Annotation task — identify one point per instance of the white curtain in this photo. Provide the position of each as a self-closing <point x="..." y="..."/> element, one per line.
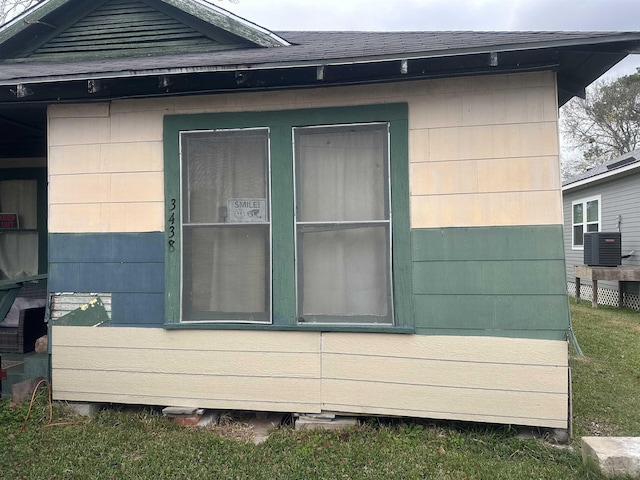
<point x="226" y="265"/>
<point x="19" y="250"/>
<point x="342" y="177"/>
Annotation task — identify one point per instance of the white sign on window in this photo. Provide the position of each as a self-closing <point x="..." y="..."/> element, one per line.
<point x="247" y="210"/>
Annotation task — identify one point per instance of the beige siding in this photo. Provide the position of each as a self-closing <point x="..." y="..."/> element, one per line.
<point x="482" y="379"/>
<point x="472" y="141"/>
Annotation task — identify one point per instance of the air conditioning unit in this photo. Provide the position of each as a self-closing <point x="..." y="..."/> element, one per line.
<point x="603" y="249"/>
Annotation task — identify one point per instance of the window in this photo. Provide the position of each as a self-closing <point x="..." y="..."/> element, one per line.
<point x="343" y="224"/>
<point x="585" y="218"/>
<point x="294" y="219"/>
<point x="23" y="234"/>
<point x="225" y="225"/>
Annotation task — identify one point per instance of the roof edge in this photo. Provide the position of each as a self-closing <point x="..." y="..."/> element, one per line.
<point x="601" y="176"/>
<point x="30" y="15"/>
<point x="226" y="20"/>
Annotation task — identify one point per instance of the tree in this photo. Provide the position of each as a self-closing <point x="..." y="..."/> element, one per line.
<point x="11" y="8"/>
<point x="603" y="126"/>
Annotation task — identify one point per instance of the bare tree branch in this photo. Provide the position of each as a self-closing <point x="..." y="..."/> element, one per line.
<point x="12" y="8"/>
<point x="603" y="126"/>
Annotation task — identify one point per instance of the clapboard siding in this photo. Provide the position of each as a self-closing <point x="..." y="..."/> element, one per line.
<point x="496" y="280"/>
<point x="481" y="379"/>
<point x="476" y="159"/>
<point x="620" y="196"/>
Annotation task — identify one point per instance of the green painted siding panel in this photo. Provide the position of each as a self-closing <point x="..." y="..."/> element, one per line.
<point x="491" y="312"/>
<point x="501" y="281"/>
<point x="489" y="243"/>
<point x="489" y="277"/>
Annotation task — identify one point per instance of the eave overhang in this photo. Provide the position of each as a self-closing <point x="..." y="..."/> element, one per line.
<point x="603" y="177"/>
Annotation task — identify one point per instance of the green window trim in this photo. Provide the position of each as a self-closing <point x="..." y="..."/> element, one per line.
<point x="283" y="274"/>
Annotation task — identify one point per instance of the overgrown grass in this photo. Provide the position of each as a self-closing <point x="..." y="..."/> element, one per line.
<point x="127" y="443"/>
<point x="606" y="381"/>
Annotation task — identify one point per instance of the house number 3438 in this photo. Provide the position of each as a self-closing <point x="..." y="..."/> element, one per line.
<point x="171" y="243"/>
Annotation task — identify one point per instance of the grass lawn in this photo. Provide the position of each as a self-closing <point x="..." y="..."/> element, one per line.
<point x="140" y="443"/>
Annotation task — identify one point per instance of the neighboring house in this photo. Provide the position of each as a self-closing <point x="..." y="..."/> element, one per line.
<point x="605" y="198"/>
<point x="355" y="222"/>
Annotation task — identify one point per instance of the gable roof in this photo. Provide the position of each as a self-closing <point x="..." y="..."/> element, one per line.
<point x="73" y="29"/>
<point x="619" y="166"/>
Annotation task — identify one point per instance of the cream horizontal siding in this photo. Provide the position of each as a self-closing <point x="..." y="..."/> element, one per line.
<point x="475" y="135"/>
<point x="467" y="378"/>
<point x="482" y="379"/>
<point x="212" y="369"/>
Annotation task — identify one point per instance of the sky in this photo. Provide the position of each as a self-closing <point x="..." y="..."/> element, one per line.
<point x="398" y="15"/>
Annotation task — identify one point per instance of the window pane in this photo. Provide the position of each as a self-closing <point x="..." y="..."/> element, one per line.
<point x="342" y="173"/>
<point x="578" y="235"/>
<point x="577" y="213"/>
<point x="18" y="255"/>
<point x="220" y="168"/>
<point x="20" y="196"/>
<point x="226" y="269"/>
<point x="592" y="211"/>
<point x="344" y="272"/>
<point x="226" y="266"/>
<point x="592" y="227"/>
<point x="19" y="250"/>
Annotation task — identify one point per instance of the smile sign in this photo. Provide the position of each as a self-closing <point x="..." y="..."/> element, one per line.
<point x="247" y="210"/>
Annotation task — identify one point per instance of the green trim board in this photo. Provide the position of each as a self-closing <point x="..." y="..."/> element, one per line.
<point x="280" y="125"/>
<point x="498" y="281"/>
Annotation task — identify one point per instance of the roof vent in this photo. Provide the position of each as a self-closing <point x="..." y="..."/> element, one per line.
<point x="621" y="163"/>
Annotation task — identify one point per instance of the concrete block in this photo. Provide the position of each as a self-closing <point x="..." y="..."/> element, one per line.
<point x="615" y="456"/>
<point x="176" y="411"/>
<point x="324" y="423"/>
<point x="85" y="409"/>
<point x="185" y="416"/>
<point x="264" y="424"/>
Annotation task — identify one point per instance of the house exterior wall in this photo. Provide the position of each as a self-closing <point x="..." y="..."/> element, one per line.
<point x="619" y="196"/>
<point x="487" y="265"/>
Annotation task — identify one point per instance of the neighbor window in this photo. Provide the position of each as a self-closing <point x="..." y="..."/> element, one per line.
<point x="585" y="218"/>
<point x="294" y="219"/>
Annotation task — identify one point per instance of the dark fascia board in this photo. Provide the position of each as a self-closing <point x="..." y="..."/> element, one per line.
<point x="226" y="20"/>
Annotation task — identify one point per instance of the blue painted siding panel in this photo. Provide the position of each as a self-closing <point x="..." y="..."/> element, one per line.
<point x="106" y="247"/>
<point x="122" y="277"/>
<point x="129" y="266"/>
<point x="64" y="277"/>
<point x="137" y="309"/>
